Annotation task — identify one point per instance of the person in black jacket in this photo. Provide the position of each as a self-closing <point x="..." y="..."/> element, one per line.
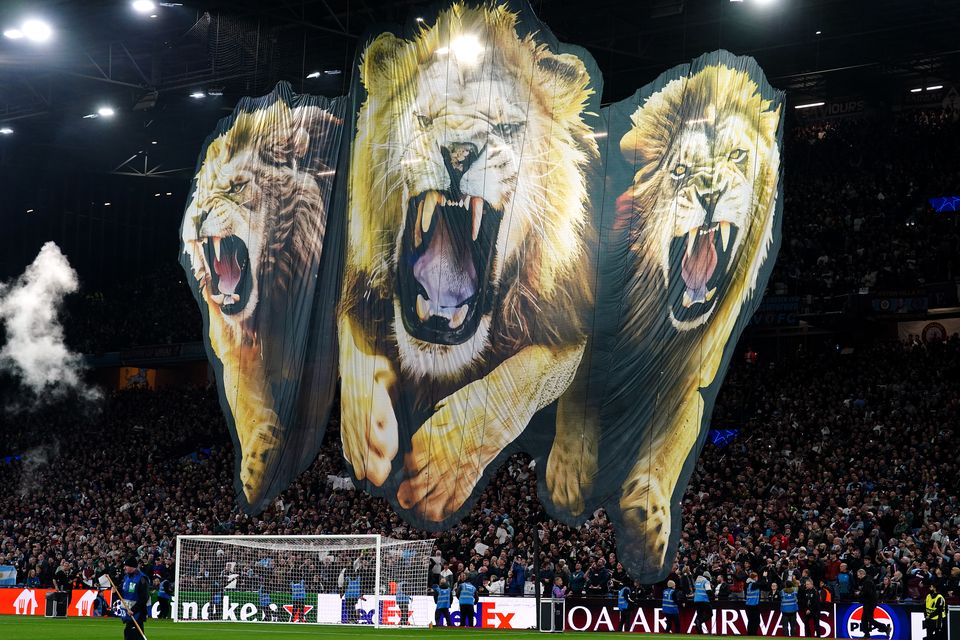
<point x="135" y="592"/>
<point x="810" y="608"/>
<point x="868" y="596"/>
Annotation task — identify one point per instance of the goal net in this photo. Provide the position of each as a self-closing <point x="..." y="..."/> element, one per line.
<point x="364" y="579"/>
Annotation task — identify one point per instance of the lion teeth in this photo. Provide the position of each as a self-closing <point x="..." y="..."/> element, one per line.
<point x="216" y="247"/>
<point x="711" y="293"/>
<point x="218" y="298"/>
<point x="417" y="233"/>
<point x="423" y="308"/>
<point x="459" y="316"/>
<point x="430" y="202"/>
<point x="687" y="300"/>
<point x="476" y="209"/>
<point x="724" y="235"/>
<point x="691" y="241"/>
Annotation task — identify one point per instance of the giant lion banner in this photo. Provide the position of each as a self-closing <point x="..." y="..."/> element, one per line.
<point x="509" y="267"/>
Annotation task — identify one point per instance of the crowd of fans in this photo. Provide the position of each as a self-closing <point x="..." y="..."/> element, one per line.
<point x="844" y="461"/>
<point x="856" y="206"/>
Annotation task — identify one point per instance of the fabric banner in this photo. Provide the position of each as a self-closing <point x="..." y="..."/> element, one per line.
<point x="8" y="575"/>
<point x="515" y="269"/>
<point x="253" y="239"/>
<point x="929" y="330"/>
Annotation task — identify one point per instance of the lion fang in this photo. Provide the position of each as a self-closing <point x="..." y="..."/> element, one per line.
<point x="476" y="208"/>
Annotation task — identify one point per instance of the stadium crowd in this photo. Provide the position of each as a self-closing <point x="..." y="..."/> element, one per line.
<point x="845" y="462"/>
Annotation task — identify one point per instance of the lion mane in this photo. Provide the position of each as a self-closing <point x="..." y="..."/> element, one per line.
<point x="537" y="275"/>
<point x="718" y="118"/>
<point x="253" y="227"/>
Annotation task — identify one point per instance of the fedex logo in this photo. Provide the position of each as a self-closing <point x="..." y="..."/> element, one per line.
<point x="487" y="615"/>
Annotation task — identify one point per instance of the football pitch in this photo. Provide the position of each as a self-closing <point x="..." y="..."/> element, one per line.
<point x="14" y="628"/>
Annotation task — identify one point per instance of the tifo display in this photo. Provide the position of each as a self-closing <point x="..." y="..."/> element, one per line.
<point x="496" y="263"/>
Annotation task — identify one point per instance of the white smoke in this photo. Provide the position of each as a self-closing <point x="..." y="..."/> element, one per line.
<point x="32" y="463"/>
<point x="35" y="352"/>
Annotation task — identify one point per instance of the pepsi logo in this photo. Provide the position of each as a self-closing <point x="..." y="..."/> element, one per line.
<point x="880" y="616"/>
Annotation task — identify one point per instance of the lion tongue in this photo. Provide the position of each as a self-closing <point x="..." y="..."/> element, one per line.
<point x="446" y="270"/>
<point x="228" y="271"/>
<point x="698" y="265"/>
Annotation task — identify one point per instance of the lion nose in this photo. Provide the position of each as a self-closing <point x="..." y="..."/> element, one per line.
<point x="709" y="201"/>
<point x="458" y="156"/>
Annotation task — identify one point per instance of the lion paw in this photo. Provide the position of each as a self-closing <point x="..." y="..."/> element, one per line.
<point x="258" y="451"/>
<point x="569" y="474"/>
<point x="447" y="458"/>
<point x="369" y="435"/>
<point x="647" y="523"/>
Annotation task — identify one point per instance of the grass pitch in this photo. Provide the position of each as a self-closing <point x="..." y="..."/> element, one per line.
<point x="16" y="628"/>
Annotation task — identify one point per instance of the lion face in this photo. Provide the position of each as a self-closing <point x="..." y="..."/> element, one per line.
<point x="240" y="224"/>
<point x="706" y="188"/>
<point x="474" y="160"/>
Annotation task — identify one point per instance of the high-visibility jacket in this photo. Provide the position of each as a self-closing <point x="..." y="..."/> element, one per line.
<point x="669" y="604"/>
<point x="935" y="607"/>
<point x="753" y="594"/>
<point x="788" y="602"/>
<point x="701" y="590"/>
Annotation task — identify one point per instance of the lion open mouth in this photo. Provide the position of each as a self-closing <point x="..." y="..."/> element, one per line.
<point x="228" y="261"/>
<point x="707" y="254"/>
<point x="446" y="258"/>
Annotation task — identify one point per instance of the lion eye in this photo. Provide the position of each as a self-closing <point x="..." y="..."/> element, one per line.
<point x="424" y="121"/>
<point x="737" y="155"/>
<point x="507" y="129"/>
<point x="679" y="171"/>
<point x="236" y="187"/>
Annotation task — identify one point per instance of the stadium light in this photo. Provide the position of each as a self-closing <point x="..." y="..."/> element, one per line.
<point x="935" y="87"/>
<point x="809" y="105"/>
<point x="106" y="204"/>
<point x="36" y="30"/>
<point x="106" y="112"/>
<point x="5" y="131"/>
<point x="333" y="72"/>
<point x="819" y="32"/>
<point x="197" y="95"/>
<point x="466" y="48"/>
<point x="917" y="90"/>
<point x="13" y="34"/>
<point x="143" y="6"/>
<point x="313" y="74"/>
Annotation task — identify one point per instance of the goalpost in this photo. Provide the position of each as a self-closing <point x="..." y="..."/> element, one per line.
<point x="325" y="579"/>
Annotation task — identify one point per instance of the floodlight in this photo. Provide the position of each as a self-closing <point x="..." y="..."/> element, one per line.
<point x="935" y="87"/>
<point x="5" y="131"/>
<point x="36" y="30"/>
<point x="106" y="112"/>
<point x="917" y="90"/>
<point x="313" y="74"/>
<point x="13" y="34"/>
<point x="143" y="6"/>
<point x="467" y="48"/>
<point x="810" y="105"/>
<point x="198" y="95"/>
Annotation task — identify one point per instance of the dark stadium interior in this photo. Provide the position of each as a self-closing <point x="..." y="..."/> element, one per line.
<point x="844" y="433"/>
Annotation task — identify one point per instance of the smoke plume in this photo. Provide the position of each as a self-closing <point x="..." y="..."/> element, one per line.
<point x="35" y="352"/>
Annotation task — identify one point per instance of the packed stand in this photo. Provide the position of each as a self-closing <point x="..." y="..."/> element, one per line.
<point x="843" y="465"/>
